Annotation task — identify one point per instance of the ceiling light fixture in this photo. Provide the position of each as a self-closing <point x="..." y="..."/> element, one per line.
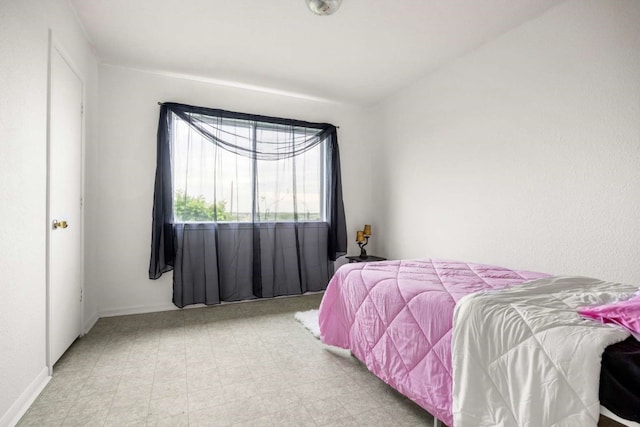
<point x="323" y="7"/>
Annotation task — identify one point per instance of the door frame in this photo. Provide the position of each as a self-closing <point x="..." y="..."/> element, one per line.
<point x="55" y="45"/>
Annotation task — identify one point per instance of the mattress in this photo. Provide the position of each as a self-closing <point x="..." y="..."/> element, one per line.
<point x="396" y="317"/>
<point x="620" y="379"/>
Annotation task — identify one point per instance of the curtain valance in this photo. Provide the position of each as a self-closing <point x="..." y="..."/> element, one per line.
<point x="264" y="143"/>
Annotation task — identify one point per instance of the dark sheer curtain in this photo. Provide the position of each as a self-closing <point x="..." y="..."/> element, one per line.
<point x="245" y="206"/>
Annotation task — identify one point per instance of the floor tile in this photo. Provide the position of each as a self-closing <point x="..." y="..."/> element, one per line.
<point x="358" y="402"/>
<point x="345" y="422"/>
<point x="294" y="416"/>
<point x="167" y="407"/>
<point x="325" y="411"/>
<point x="377" y="417"/>
<point x="213" y="416"/>
<point x="173" y="387"/>
<point x="127" y="415"/>
<point x="263" y="421"/>
<point x="133" y="395"/>
<point x="39" y="421"/>
<point x="282" y="400"/>
<point x="245" y="410"/>
<point x="100" y="384"/>
<point x="45" y="415"/>
<point x="408" y="413"/>
<point x="181" y="420"/>
<point x="230" y="375"/>
<point x="88" y="405"/>
<point x="205" y="398"/>
<point x="91" y="419"/>
<point x="206" y="378"/>
<point x="132" y="377"/>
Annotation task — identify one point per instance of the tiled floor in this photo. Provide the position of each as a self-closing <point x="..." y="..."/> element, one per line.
<point x="246" y="364"/>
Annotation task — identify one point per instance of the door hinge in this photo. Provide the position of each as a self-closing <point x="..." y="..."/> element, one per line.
<point x="81" y="294"/>
<point x="82" y="110"/>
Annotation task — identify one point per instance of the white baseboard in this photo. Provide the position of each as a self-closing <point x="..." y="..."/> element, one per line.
<point x="22" y="404"/>
<point x="139" y="309"/>
<point x="142" y="309"/>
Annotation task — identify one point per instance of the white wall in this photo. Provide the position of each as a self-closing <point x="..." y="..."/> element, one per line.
<point x="524" y="152"/>
<point x="23" y="61"/>
<point x="124" y="175"/>
<point x="24" y="36"/>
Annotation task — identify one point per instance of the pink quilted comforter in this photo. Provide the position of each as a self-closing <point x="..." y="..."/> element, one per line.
<point x="397" y="316"/>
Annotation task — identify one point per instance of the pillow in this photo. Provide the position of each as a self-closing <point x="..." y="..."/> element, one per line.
<point x="623" y="313"/>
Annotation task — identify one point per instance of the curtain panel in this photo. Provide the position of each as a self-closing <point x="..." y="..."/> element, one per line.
<point x="251" y="182"/>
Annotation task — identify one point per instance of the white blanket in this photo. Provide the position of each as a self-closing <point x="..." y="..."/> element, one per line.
<point x="524" y="357"/>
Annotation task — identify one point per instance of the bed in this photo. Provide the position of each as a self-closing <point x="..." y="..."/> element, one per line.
<point x="397" y="318"/>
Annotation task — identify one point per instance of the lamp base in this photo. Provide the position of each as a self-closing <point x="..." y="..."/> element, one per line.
<point x="363" y="252"/>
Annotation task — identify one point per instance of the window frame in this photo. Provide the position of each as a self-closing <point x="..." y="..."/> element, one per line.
<point x="252" y="124"/>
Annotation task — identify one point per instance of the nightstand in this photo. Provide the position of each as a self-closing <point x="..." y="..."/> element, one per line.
<point x="369" y="258"/>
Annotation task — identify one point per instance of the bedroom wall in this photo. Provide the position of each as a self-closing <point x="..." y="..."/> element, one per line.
<point x="23" y="184"/>
<point x="124" y="177"/>
<point x="524" y="152"/>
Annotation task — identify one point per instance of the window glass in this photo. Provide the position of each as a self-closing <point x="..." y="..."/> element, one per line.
<point x="212" y="183"/>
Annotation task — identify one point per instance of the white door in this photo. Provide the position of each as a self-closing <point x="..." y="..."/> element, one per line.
<point x="65" y="217"/>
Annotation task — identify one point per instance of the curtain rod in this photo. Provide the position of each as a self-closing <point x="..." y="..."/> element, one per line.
<point x="162" y="103"/>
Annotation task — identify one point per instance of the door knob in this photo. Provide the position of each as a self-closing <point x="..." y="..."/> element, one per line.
<point x="59" y="224"/>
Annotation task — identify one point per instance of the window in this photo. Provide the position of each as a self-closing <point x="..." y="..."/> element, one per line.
<point x="244" y="205"/>
<point x="251" y="172"/>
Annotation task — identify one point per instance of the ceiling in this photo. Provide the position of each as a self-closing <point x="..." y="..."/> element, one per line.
<point x="364" y="52"/>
